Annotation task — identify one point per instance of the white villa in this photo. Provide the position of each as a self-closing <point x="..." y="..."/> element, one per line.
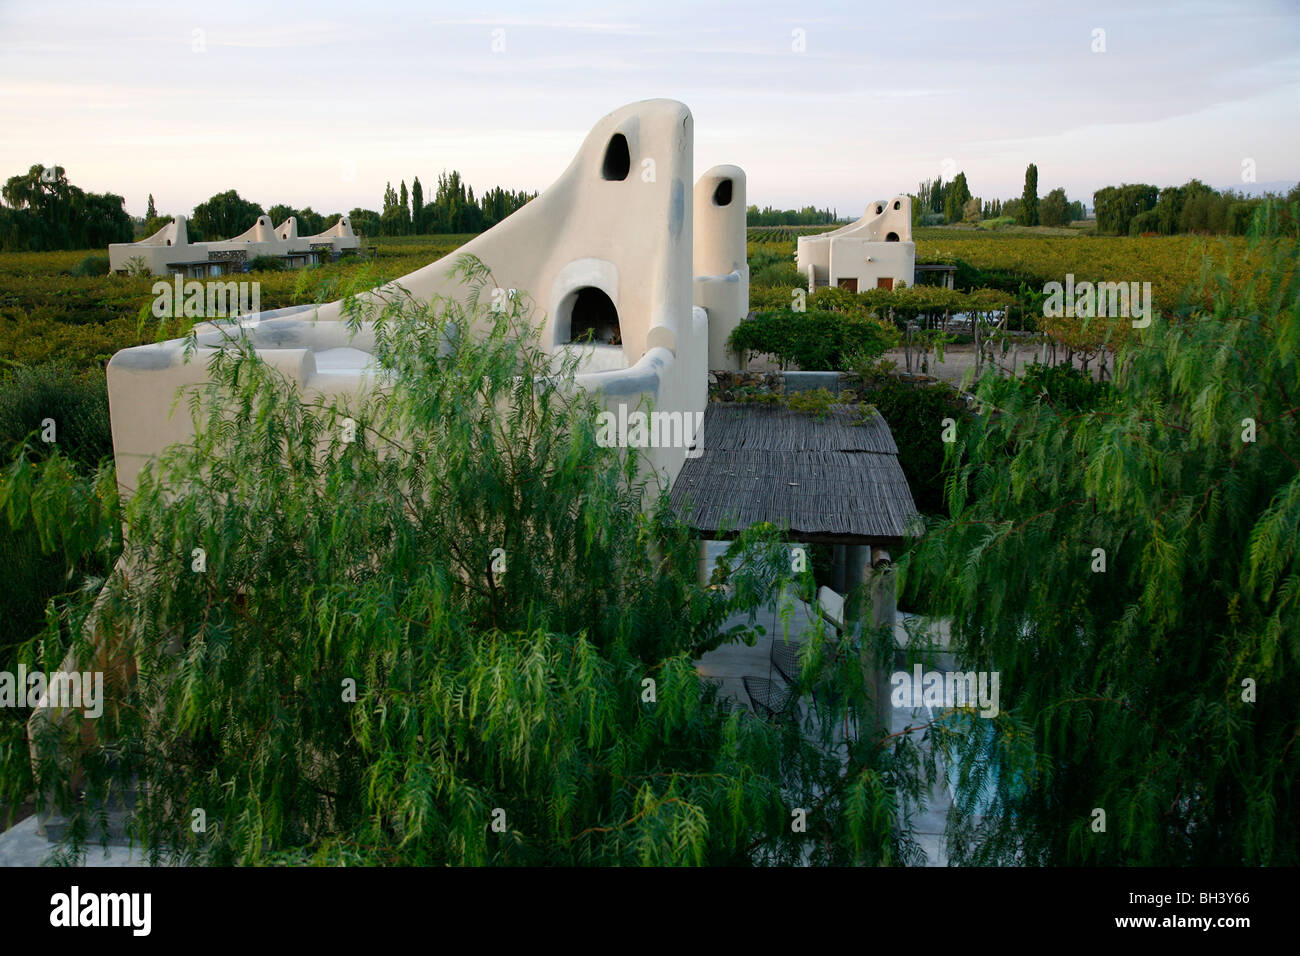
<point x="876" y="252"/>
<point x="168" y="252"/>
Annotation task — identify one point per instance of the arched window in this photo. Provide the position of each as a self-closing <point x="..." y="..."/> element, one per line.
<point x="592" y="313"/>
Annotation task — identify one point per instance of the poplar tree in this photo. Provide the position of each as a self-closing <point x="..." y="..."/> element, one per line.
<point x="1028" y="213"/>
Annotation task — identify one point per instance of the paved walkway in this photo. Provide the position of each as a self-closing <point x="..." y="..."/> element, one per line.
<point x="730" y="664"/>
<point x="21" y="845"/>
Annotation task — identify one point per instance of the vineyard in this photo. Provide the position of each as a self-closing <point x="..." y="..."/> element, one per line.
<point x="1020" y="266"/>
<point x="766" y="234"/>
<point x="49" y="313"/>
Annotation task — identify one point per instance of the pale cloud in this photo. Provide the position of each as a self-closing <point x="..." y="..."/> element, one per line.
<point x="540" y="23"/>
<point x="876" y="103"/>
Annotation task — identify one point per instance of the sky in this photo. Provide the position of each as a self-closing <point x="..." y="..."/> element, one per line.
<point x="836" y="104"/>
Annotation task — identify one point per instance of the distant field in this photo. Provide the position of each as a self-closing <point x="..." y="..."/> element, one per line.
<point x="1169" y="263"/>
<point x="48" y="314"/>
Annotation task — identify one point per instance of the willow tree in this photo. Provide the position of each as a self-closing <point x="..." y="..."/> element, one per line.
<point x="1130" y="564"/>
<point x="440" y="624"/>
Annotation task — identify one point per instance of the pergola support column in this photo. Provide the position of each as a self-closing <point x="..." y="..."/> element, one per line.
<point x="869" y="604"/>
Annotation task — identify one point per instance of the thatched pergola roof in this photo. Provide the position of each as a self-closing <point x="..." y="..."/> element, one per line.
<point x="826" y="479"/>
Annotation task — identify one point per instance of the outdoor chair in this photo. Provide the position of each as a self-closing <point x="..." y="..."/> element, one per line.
<point x="771" y="698"/>
<point x="785" y="658"/>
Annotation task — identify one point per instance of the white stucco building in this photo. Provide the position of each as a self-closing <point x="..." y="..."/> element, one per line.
<point x="625" y="243"/>
<point x="169" y="251"/>
<point x="876" y="252"/>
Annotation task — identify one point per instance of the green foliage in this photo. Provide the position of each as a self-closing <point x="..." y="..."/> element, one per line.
<point x="75" y="402"/>
<point x="956" y="195"/>
<point x="813" y="340"/>
<point x="807" y="216"/>
<point x="1027" y="213"/>
<point x="47" y="314"/>
<point x="780" y="275"/>
<point x="223" y="216"/>
<point x="310" y="222"/>
<point x="814" y="401"/>
<point x="47" y="212"/>
<point x="1054" y="210"/>
<point x="265" y="264"/>
<point x="478" y="687"/>
<point x="1194" y="207"/>
<point x="92" y="265"/>
<point x="58" y="533"/>
<point x="1159" y="689"/>
<point x="1116" y="206"/>
<point x="1065" y="386"/>
<point x="915" y="415"/>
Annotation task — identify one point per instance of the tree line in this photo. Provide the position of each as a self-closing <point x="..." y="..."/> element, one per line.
<point x="937" y="203"/>
<point x="1135" y="209"/>
<point x="42" y="211"/>
<point x="453" y="208"/>
<point x="807" y="216"/>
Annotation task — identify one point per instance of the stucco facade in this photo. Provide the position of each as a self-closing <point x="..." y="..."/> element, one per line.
<point x="619" y="244"/>
<point x="169" y="251"/>
<point x="877" y="251"/>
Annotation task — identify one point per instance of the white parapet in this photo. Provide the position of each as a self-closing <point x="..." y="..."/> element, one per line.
<point x="606" y="250"/>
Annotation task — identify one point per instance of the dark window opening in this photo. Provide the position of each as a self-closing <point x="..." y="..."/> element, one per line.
<point x="169" y="242"/>
<point x="897" y="204"/>
<point x="891" y="237"/>
<point x="594" y="315"/>
<point x="618" y="161"/>
<point x="722" y="195"/>
<point x="879" y="210"/>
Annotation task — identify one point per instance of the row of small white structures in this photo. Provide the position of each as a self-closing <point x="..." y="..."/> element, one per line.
<point x="169" y="251"/>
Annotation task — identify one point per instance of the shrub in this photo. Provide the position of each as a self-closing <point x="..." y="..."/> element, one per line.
<point x="266" y="264"/>
<point x="782" y="275"/>
<point x="35" y="563"/>
<point x="814" y="340"/>
<point x="76" y="403"/>
<point x="816" y="402"/>
<point x="92" y="265"/>
<point x="1065" y="386"/>
<point x="914" y="414"/>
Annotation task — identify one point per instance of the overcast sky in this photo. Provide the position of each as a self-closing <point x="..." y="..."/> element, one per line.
<point x="318" y="103"/>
